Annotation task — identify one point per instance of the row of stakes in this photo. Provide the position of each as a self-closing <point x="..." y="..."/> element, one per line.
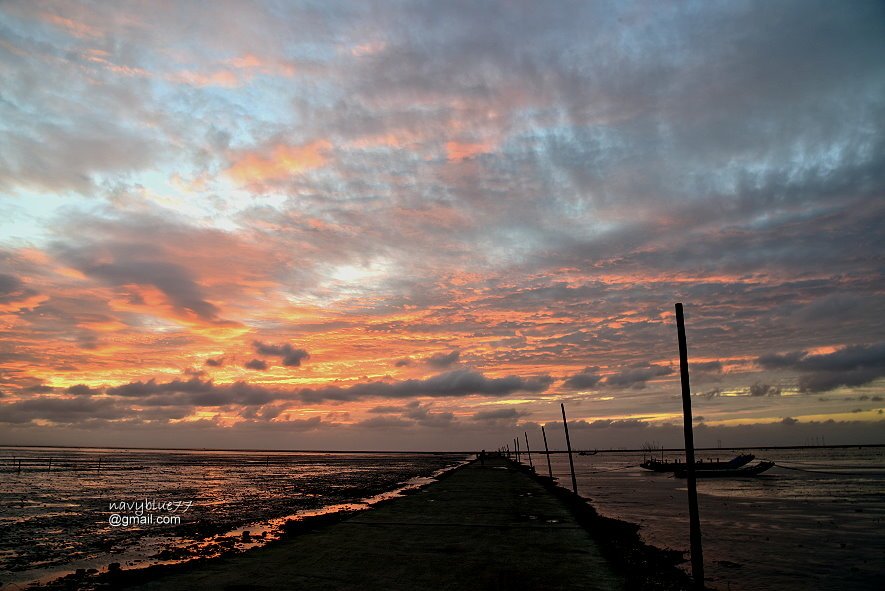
<point x="697" y="560"/>
<point x="568" y="443"/>
<point x="17" y="465"/>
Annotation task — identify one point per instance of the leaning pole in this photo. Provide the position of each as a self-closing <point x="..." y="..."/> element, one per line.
<point x="697" y="555"/>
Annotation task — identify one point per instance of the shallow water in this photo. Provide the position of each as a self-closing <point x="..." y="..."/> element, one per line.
<point x="814" y="521"/>
<point x="54" y="519"/>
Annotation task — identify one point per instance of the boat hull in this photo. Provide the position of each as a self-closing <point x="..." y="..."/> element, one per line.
<point x="734" y="463"/>
<point x="735" y="473"/>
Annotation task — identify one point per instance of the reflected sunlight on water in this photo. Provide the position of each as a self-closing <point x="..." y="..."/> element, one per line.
<point x="55" y="518"/>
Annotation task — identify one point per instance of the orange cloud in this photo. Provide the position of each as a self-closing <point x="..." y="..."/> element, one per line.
<point x="251" y="63"/>
<point x="246" y="61"/>
<point x="75" y="28"/>
<point x="456" y="151"/>
<point x="282" y="162"/>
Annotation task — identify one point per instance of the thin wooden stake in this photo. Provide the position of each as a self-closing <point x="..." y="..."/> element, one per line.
<point x="697" y="556"/>
<point x="549" y="467"/>
<point x="528" y="450"/>
<point x="568" y="443"/>
<point x="49" y="469"/>
<point x="518" y="454"/>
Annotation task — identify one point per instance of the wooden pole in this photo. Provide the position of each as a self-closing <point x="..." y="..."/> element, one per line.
<point x="49" y="469"/>
<point x="528" y="450"/>
<point x="546" y="449"/>
<point x="568" y="443"/>
<point x="518" y="455"/>
<point x="697" y="555"/>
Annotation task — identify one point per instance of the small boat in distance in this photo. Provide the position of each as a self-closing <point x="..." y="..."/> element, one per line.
<point x="732" y="473"/>
<point x="656" y="465"/>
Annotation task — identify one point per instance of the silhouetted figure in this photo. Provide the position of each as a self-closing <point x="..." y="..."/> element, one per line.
<point x="482" y="458"/>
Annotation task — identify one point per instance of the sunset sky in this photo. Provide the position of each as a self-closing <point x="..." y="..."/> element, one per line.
<point x="423" y="225"/>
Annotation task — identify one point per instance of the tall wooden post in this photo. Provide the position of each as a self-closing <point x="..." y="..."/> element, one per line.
<point x="516" y="443"/>
<point x="546" y="449"/>
<point x="697" y="556"/>
<point x="528" y="450"/>
<point x="568" y="444"/>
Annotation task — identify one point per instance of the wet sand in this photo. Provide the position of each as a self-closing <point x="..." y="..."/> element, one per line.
<point x="479" y="527"/>
<point x="56" y="522"/>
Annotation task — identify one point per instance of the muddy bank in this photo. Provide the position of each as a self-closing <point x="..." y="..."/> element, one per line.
<point x="642" y="566"/>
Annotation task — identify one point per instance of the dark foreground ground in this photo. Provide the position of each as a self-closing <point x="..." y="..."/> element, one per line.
<point x="495" y="526"/>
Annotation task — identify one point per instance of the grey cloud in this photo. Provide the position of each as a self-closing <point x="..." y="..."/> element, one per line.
<point x="82" y="390"/>
<point x="120" y="264"/>
<point x="256" y="364"/>
<point x="291" y="356"/>
<point x="458" y="383"/>
<point x="462" y="382"/>
<point x="636" y="377"/>
<point x="855" y="365"/>
<point x="147" y="246"/>
<point x="39" y="389"/>
<point x="443" y="360"/>
<point x="426" y="417"/>
<point x="215" y="362"/>
<point x="604" y="423"/>
<point x="497" y="414"/>
<point x="62" y="410"/>
<point x="150" y="387"/>
<point x="57" y="158"/>
<point x="196" y="392"/>
<point x="12" y="289"/>
<point x="585" y="379"/>
<point x="758" y="389"/>
<point x="171" y="279"/>
<point x="403" y="362"/>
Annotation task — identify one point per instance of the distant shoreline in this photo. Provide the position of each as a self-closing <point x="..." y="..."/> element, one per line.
<point x="412" y="452"/>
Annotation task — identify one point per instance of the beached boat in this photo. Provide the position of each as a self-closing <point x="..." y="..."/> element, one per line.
<point x="656" y="465"/>
<point x="733" y="473"/>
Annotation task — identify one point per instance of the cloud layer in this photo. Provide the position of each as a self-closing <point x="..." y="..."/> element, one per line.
<point x="482" y="210"/>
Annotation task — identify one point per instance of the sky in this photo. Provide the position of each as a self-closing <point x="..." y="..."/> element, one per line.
<point x="419" y="225"/>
